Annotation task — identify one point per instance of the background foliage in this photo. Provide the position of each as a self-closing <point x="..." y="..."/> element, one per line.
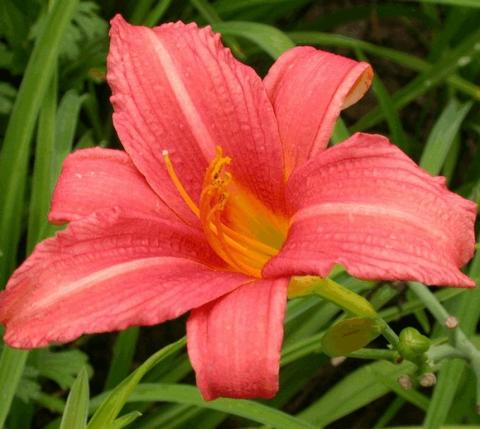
<point x="53" y="99"/>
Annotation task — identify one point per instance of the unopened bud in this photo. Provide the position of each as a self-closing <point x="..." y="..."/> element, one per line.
<point x="337" y="361"/>
<point x="349" y="335"/>
<point x="412" y="344"/>
<point x="451" y="322"/>
<point x="405" y="382"/>
<point x="428" y="379"/>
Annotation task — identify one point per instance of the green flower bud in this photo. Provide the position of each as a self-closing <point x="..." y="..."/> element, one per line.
<point x="413" y="344"/>
<point x="349" y="335"/>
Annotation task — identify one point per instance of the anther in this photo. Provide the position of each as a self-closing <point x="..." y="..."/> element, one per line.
<point x="240" y="251"/>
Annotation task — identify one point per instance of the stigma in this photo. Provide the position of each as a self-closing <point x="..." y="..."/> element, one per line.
<point x="238" y="227"/>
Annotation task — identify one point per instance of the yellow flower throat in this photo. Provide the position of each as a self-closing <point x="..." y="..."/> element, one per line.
<point x="239" y="228"/>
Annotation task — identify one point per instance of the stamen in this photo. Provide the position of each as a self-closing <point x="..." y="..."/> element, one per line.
<point x="256" y="245"/>
<point x="176" y="181"/>
<point x="220" y="239"/>
<point x="241" y="252"/>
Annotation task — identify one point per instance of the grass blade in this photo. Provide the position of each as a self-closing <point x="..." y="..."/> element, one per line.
<point x="124" y="421"/>
<point x="43" y="168"/>
<point x="211" y="16"/>
<point x="273" y="41"/>
<point x="354" y="391"/>
<point x="122" y="359"/>
<point x="13" y="169"/>
<point x="442" y="135"/>
<point x="427" y="80"/>
<point x="391" y="115"/>
<point x="450" y="374"/>
<point x="183" y="394"/>
<point x="112" y="405"/>
<point x="76" y="409"/>
<point x="463" y="3"/>
<point x="157" y="13"/>
<point x="16" y="145"/>
<point x="340" y="132"/>
<point x="12" y="363"/>
<point x="402" y="58"/>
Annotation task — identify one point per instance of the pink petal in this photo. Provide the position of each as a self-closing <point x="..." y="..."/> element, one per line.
<point x="96" y="179"/>
<point x="109" y="271"/>
<point x="176" y="88"/>
<point x="366" y="205"/>
<point x="308" y="88"/>
<point x="234" y="343"/>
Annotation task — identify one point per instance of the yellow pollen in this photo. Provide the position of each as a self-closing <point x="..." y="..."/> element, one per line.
<point x="241" y="252"/>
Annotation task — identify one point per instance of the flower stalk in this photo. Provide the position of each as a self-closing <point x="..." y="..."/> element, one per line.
<point x="348" y="300"/>
<point x="458" y="340"/>
<point x="411" y="345"/>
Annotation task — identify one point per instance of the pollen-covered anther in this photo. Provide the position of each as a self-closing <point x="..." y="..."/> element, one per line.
<point x="241" y="252"/>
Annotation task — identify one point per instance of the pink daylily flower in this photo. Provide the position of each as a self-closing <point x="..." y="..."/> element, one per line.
<point x="224" y="191"/>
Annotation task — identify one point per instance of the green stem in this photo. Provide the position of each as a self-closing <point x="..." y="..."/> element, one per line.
<point x="457" y="337"/>
<point x="344" y="298"/>
<point x="423" y="293"/>
<point x="374" y="354"/>
<point x="388" y="333"/>
<point x="436" y="354"/>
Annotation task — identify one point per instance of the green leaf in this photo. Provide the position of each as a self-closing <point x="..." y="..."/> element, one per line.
<point x="116" y="399"/>
<point x="234" y="8"/>
<point x="251" y="410"/>
<point x="211" y="16"/>
<point x="122" y="359"/>
<point x="273" y="41"/>
<point x="340" y="132"/>
<point x="157" y="12"/>
<point x="68" y="113"/>
<point x="443" y="134"/>
<point x="353" y="392"/>
<point x="444" y="393"/>
<point x="12" y="363"/>
<point x="413" y="396"/>
<point x="349" y="335"/>
<point x="61" y="366"/>
<point x="390" y="412"/>
<point x="402" y="58"/>
<point x="16" y="145"/>
<point x="42" y="185"/>
<point x="437" y="73"/>
<point x="28" y="388"/>
<point x="398" y="135"/>
<point x="76" y="408"/>
<point x="125" y="420"/>
<point x="7" y="95"/>
<point x="451" y="371"/>
<point x="13" y="23"/>
<point x="86" y="26"/>
<point x="464" y="3"/>
<point x="443" y="427"/>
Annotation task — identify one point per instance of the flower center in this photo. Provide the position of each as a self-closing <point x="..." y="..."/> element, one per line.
<point x="239" y="228"/>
